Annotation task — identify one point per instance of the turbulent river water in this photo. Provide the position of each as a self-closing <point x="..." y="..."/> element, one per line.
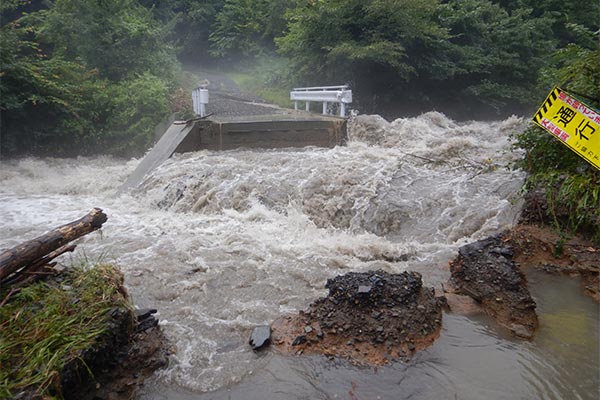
<point x="222" y="241"/>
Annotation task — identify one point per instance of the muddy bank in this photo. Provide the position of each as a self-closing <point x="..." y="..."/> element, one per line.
<point x="367" y="318"/>
<point x="486" y="272"/>
<point x="541" y="247"/>
<point x="116" y="365"/>
<point x="76" y="336"/>
<point x="538" y="244"/>
<point x="121" y="374"/>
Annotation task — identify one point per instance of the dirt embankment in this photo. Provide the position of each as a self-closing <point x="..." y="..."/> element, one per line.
<point x="368" y="318"/>
<point x="541" y="247"/>
<point x="486" y="272"/>
<point x="490" y="272"/>
<point x="123" y="369"/>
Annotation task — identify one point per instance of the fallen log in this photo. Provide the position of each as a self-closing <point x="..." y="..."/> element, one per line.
<point x="34" y="271"/>
<point x="34" y="254"/>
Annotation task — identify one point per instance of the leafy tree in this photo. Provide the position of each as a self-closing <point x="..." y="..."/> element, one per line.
<point x="247" y="27"/>
<point x="58" y="97"/>
<point x="119" y="38"/>
<point x="472" y="55"/>
<point x="564" y="15"/>
<point x="369" y="43"/>
<point x="190" y="22"/>
<point x="493" y="56"/>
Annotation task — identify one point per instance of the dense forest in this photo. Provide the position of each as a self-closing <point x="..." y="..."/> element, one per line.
<point x="89" y="76"/>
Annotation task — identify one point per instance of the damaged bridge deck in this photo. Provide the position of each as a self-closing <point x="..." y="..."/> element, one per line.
<point x="264" y="131"/>
<point x="277" y="130"/>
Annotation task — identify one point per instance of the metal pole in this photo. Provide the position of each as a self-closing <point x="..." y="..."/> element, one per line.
<point x="296" y="105"/>
<point x="308" y="106"/>
<point x="342" y="109"/>
<point x="324" y="108"/>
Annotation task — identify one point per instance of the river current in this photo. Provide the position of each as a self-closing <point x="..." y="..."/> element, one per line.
<point x="220" y="242"/>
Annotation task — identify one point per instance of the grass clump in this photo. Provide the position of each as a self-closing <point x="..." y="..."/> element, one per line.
<point x="50" y="325"/>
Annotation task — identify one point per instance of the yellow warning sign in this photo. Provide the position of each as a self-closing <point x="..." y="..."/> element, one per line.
<point x="573" y="122"/>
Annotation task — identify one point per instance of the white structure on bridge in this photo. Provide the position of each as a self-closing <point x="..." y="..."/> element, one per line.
<point x="325" y="94"/>
<point x="200" y="100"/>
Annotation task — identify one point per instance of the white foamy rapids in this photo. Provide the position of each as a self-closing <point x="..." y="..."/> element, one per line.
<point x="221" y="242"/>
<point x="420" y="178"/>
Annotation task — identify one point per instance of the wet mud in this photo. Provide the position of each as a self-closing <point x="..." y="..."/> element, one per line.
<point x="121" y="371"/>
<point x="541" y="247"/>
<point x="368" y="318"/>
<point x="488" y="275"/>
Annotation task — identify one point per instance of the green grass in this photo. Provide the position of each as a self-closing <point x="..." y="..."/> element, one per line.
<point x="253" y="81"/>
<point x="267" y="77"/>
<point x="46" y="326"/>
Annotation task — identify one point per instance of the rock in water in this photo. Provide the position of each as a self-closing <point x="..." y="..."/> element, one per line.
<point x="261" y="337"/>
<point x="145" y="319"/>
<point x="486" y="272"/>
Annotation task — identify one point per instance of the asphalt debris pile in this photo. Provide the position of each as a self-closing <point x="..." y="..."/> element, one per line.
<point x="368" y="318"/>
<point x="485" y="271"/>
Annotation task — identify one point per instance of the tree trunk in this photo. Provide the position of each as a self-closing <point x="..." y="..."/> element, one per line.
<point x="33" y="251"/>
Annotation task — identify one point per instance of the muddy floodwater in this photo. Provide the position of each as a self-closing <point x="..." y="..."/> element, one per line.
<point x="473" y="359"/>
<point x="222" y="242"/>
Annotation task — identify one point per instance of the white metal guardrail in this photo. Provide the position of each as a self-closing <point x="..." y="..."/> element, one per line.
<point x="200" y="100"/>
<point x="325" y="94"/>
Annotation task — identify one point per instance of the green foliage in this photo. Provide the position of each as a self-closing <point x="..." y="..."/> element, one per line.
<point x="138" y="105"/>
<point x="247" y="27"/>
<point x="190" y="22"/>
<point x="82" y="77"/>
<point x="571" y="185"/>
<point x="573" y="200"/>
<point x="340" y="38"/>
<point x="116" y="37"/>
<point x="47" y="326"/>
<point x="470" y="54"/>
<point x="494" y="56"/>
<point x="564" y="14"/>
<point x="74" y="71"/>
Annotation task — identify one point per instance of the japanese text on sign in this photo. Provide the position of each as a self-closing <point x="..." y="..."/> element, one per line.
<point x="574" y="123"/>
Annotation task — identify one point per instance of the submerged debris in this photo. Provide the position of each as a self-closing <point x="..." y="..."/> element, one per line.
<point x="486" y="272"/>
<point x="369" y="318"/>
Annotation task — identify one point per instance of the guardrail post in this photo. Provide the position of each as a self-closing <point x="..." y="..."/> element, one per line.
<point x="325" y="108"/>
<point x="308" y="106"/>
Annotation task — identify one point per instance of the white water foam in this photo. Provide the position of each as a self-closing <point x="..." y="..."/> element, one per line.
<point x="222" y="241"/>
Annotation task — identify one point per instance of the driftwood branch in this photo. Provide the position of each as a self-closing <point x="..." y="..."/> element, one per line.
<point x="31" y="272"/>
<point x="21" y="263"/>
